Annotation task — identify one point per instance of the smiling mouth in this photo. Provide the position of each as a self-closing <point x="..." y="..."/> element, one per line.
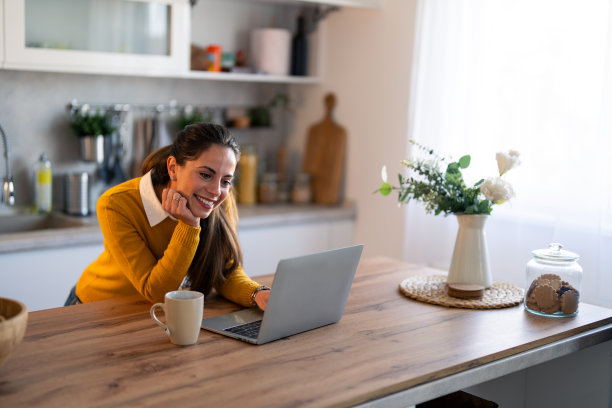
<point x="205" y="201"/>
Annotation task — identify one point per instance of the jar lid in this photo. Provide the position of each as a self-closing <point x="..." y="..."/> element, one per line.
<point x="269" y="177"/>
<point x="554" y="252"/>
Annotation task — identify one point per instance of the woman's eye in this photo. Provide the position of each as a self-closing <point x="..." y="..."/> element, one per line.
<point x="206" y="176"/>
<point x="227" y="183"/>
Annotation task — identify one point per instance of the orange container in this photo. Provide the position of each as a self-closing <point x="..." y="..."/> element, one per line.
<point x="213" y="58"/>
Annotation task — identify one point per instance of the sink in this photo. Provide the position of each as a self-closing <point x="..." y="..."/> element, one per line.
<point x="19" y="221"/>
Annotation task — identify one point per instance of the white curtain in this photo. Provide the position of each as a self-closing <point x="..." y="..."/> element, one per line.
<point x="533" y="76"/>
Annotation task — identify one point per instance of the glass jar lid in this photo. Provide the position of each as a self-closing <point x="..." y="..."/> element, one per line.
<point x="555" y="252"/>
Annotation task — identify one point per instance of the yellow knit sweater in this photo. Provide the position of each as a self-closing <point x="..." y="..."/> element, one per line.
<point x="145" y="260"/>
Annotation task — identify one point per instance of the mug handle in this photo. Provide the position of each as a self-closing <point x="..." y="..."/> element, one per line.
<point x="159" y="322"/>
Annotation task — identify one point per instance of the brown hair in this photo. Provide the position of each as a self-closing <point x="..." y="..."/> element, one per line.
<point x="218" y="252"/>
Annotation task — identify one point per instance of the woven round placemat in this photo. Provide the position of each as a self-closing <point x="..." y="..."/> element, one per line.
<point x="432" y="289"/>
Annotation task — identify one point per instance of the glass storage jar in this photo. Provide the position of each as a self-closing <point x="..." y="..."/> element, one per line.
<point x="301" y="192"/>
<point x="268" y="188"/>
<point x="553" y="282"/>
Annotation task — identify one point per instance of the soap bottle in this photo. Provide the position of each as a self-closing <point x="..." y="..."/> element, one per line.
<point x="43" y="178"/>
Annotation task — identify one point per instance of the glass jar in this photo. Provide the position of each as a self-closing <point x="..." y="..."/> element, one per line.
<point x="268" y="188"/>
<point x="301" y="192"/>
<point x="247" y="176"/>
<point x="553" y="282"/>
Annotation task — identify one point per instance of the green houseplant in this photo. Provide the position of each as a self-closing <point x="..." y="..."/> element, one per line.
<point x="189" y="116"/>
<point x="96" y="124"/>
<point x="91" y="129"/>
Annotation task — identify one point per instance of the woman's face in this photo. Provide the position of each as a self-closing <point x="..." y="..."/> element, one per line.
<point x="205" y="181"/>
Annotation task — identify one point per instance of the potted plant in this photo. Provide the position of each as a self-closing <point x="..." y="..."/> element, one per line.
<point x="189" y="116"/>
<point x="91" y="129"/>
<point x="261" y="116"/>
<point x="438" y="183"/>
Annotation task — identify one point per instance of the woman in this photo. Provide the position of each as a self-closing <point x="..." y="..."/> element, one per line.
<point x="173" y="227"/>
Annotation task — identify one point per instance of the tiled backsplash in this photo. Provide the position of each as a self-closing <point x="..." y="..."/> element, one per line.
<point x="33" y="112"/>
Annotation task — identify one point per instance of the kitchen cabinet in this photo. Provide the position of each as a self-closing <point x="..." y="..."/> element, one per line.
<point x="39" y="268"/>
<point x="95" y="36"/>
<point x="263" y="247"/>
<point x="2" y="33"/>
<point x="42" y="278"/>
<point x="147" y="37"/>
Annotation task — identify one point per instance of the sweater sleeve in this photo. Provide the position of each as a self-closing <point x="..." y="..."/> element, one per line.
<point x="238" y="287"/>
<point x="126" y="240"/>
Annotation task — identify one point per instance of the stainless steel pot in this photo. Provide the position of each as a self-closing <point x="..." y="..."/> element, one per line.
<point x="76" y="197"/>
<point x="92" y="148"/>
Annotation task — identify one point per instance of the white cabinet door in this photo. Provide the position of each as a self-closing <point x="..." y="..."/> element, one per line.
<point x="2" y="36"/>
<point x="42" y="279"/>
<point x="98" y="36"/>
<point x="263" y="247"/>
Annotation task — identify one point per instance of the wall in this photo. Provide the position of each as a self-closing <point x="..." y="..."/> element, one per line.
<point x="367" y="56"/>
<point x="33" y="104"/>
<point x="33" y="112"/>
<point x="367" y="64"/>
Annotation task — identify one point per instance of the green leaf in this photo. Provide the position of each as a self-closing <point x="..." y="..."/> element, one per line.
<point x="479" y="182"/>
<point x="483" y="206"/>
<point x="453" y="168"/>
<point x="385" y="189"/>
<point x="464" y="162"/>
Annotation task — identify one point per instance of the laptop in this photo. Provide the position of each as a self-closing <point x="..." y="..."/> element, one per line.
<point x="307" y="292"/>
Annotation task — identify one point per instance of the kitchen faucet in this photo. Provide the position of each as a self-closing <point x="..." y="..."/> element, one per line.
<point x="8" y="194"/>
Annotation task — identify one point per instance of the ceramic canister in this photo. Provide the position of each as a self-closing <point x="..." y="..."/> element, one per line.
<point x="271" y="50"/>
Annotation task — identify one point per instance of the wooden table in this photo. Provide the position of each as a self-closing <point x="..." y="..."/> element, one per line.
<point x="387" y="350"/>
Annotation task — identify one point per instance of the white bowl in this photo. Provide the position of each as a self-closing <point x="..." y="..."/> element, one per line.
<point x="13" y="322"/>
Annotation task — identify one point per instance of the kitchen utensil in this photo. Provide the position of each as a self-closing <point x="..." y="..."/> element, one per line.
<point x="325" y="155"/>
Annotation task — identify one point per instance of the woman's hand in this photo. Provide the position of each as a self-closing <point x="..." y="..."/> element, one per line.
<point x="261" y="298"/>
<point x="176" y="205"/>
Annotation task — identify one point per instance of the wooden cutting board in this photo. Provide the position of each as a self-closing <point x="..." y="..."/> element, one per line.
<point x="325" y="155"/>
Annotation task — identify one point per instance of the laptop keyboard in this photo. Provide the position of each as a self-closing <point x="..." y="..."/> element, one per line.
<point x="250" y="329"/>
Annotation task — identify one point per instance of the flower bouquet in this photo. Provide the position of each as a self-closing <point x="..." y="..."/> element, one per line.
<point x="443" y="190"/>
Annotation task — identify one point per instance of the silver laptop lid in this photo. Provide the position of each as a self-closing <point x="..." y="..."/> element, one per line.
<point x="309" y="291"/>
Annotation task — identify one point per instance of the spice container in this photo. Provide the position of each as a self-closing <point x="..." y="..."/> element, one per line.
<point x="268" y="188"/>
<point x="301" y="192"/>
<point x="213" y="58"/>
<point x="553" y="281"/>
<point x="247" y="177"/>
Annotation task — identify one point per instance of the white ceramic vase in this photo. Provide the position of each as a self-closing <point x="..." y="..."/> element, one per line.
<point x="470" y="262"/>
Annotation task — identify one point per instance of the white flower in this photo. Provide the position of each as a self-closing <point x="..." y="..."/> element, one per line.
<point x="497" y="190"/>
<point x="383" y="174"/>
<point x="507" y="161"/>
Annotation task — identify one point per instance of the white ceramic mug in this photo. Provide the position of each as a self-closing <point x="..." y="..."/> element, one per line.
<point x="183" y="310"/>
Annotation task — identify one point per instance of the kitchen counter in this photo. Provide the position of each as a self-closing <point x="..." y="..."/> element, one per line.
<point x="250" y="217"/>
<point x="386" y="351"/>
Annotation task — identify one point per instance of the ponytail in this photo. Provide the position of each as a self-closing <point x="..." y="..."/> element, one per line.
<point x="157" y="161"/>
